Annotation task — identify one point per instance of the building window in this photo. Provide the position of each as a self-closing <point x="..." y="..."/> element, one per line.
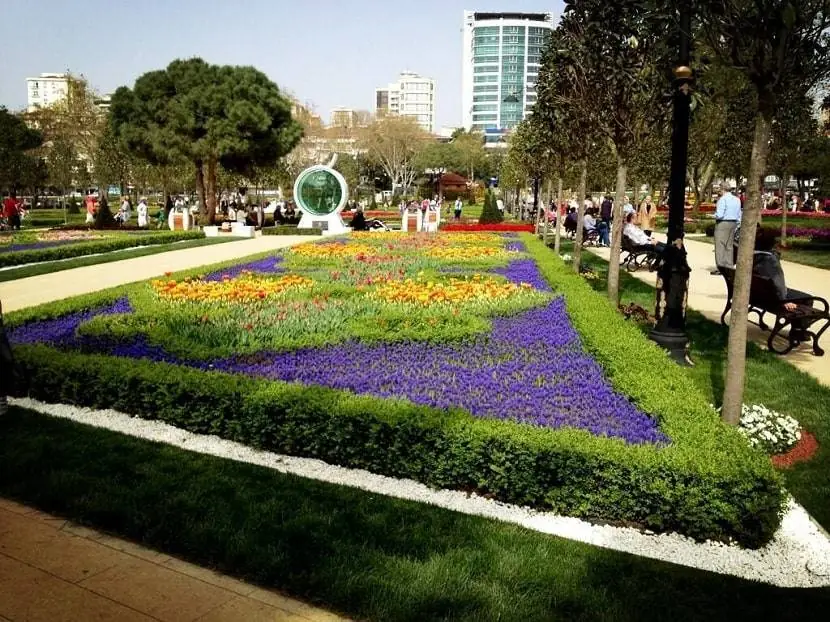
<point x="478" y="79"/>
<point x="486" y="98"/>
<point x="485" y="88"/>
<point x="485" y="108"/>
<point x="486" y="69"/>
<point x="483" y="60"/>
<point x="485" y="117"/>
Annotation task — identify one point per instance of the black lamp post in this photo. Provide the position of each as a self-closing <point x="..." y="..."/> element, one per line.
<point x="673" y="268"/>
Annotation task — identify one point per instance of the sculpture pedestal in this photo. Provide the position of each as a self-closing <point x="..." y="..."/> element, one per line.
<point x="331" y="224"/>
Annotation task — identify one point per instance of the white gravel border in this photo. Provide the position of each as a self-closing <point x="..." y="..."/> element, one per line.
<point x="798" y="556"/>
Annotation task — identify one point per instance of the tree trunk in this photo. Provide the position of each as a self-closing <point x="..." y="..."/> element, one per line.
<point x="736" y="359"/>
<point x="544" y="210"/>
<point x="580" y="213"/>
<point x="63" y="205"/>
<point x="558" y="233"/>
<point x="200" y="184"/>
<point x="210" y="211"/>
<point x="784" y="214"/>
<point x="616" y="234"/>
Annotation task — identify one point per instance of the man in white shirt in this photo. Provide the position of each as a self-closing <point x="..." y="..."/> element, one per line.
<point x="638" y="237"/>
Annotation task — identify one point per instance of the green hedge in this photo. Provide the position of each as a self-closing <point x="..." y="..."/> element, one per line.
<point x="290" y="230"/>
<point x="707" y="484"/>
<point x="94" y="247"/>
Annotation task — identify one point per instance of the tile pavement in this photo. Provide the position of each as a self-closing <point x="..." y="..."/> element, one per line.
<point x="52" y="570"/>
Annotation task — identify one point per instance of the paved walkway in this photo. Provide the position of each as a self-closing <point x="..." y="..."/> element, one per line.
<point x="707" y="294"/>
<point x="52" y="570"/>
<point x="48" y="287"/>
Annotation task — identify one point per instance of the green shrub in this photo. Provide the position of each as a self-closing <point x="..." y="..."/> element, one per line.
<point x="491" y="213"/>
<point x="72" y="206"/>
<point x="95" y="247"/>
<point x="708" y="483"/>
<point x="290" y="230"/>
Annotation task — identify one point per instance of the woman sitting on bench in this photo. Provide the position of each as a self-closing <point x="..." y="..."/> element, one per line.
<point x="765" y="263"/>
<point x="638" y="237"/>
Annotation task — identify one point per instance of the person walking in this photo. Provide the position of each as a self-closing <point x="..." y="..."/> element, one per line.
<point x="727" y="217"/>
<point x="459" y="205"/>
<point x="142" y="213"/>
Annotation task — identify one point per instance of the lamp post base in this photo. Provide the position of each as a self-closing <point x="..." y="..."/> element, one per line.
<point x="676" y="344"/>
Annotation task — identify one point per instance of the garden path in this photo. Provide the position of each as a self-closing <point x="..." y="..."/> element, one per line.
<point x="707" y="295"/>
<point x="56" y="571"/>
<point x="58" y="285"/>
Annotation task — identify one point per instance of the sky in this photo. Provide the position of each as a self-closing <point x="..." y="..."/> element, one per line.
<point x="328" y="53"/>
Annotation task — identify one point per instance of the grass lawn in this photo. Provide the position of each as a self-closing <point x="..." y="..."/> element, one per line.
<point x="770" y="380"/>
<point x="365" y="555"/>
<point x="48" y="267"/>
<point x="815" y="254"/>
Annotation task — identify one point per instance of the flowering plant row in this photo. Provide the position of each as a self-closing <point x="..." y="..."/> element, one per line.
<point x="769" y="431"/>
<point x="499" y="227"/>
<point x="61" y="248"/>
<point x="381" y="355"/>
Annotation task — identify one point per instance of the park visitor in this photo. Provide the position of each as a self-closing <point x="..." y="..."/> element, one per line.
<point x="90" y="209"/>
<point x="727" y="217"/>
<point x="628" y="208"/>
<point x="458" y="207"/>
<point x="639" y="238"/>
<point x="589" y="222"/>
<point x="645" y="215"/>
<point x="11" y="210"/>
<point x="142" y="210"/>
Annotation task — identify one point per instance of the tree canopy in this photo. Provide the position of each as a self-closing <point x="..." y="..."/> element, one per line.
<point x="207" y="115"/>
<point x="17" y="140"/>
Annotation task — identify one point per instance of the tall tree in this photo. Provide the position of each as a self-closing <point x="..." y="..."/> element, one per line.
<point x="395" y="144"/>
<point x="17" y="141"/>
<point x="209" y="115"/>
<point x="565" y="105"/>
<point x="780" y="46"/>
<point x="625" y="66"/>
<point x="792" y="136"/>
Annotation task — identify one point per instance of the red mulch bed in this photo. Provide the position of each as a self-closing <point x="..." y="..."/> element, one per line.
<point x="803" y="451"/>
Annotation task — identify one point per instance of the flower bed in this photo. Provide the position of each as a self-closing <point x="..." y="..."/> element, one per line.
<point x="366" y="353"/>
<point x="500" y="226"/>
<point x="53" y="249"/>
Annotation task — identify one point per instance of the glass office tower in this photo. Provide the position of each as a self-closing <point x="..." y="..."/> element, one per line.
<point x="501" y="58"/>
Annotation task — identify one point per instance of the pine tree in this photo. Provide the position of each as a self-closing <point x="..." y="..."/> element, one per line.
<point x="490" y="214"/>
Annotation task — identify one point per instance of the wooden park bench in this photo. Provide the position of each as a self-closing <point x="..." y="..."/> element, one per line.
<point x="637" y="257"/>
<point x="763" y="299"/>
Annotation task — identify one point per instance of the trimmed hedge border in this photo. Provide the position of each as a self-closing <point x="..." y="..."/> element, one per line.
<point x="708" y="484"/>
<point x="290" y="230"/>
<point x="94" y="247"/>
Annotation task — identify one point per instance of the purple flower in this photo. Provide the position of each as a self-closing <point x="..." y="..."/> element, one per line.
<point x="33" y="246"/>
<point x="61" y="331"/>
<point x="269" y="265"/>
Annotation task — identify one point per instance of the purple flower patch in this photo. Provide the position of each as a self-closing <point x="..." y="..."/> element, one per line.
<point x="269" y="265"/>
<point x="62" y="331"/>
<point x="34" y="246"/>
<point x="524" y="271"/>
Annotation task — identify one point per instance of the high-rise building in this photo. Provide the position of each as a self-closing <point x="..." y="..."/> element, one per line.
<point x="46" y="90"/>
<point x="344" y="118"/>
<point x="501" y="56"/>
<point x="410" y="96"/>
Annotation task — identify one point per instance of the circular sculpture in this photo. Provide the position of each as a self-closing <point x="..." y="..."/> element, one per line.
<point x="320" y="190"/>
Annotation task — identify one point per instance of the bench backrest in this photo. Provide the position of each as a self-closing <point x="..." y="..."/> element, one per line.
<point x="762" y="292"/>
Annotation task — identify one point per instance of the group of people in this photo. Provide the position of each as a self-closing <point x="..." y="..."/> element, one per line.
<point x="13" y="212"/>
<point x="125" y="211"/>
<point x="639" y="221"/>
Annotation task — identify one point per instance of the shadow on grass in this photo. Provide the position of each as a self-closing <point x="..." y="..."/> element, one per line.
<point x="770" y="380"/>
<point x="366" y="555"/>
